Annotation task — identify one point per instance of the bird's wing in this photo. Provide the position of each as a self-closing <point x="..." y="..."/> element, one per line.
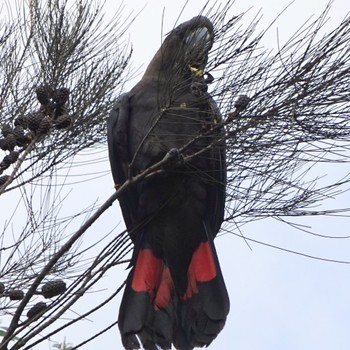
<point x="217" y="195"/>
<point x="118" y="147"/>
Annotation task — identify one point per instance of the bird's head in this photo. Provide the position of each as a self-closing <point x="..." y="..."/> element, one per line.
<point x="184" y="51"/>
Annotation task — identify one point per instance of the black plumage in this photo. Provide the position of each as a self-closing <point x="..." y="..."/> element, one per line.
<point x="175" y="293"/>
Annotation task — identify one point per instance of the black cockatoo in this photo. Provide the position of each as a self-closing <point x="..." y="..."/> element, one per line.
<point x="175" y="293"/>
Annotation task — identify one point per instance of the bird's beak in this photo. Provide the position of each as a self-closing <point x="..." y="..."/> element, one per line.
<point x="199" y="42"/>
<point x="199" y="38"/>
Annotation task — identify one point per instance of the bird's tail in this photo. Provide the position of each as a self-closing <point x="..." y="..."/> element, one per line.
<point x="155" y="314"/>
<point x="203" y="309"/>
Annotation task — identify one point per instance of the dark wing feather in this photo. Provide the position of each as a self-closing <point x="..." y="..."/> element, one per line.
<point x="118" y="148"/>
<point x="217" y="196"/>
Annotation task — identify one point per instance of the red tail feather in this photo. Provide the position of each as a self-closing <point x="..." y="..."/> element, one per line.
<point x="153" y="313"/>
<point x="202" y="269"/>
<point x="152" y="276"/>
<point x="165" y="290"/>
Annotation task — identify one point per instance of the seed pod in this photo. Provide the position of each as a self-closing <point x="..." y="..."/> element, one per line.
<point x="60" y="110"/>
<point x="3" y="166"/>
<point x="34" y="120"/>
<point x="61" y="96"/>
<point x="36" y="309"/>
<point x="13" y="156"/>
<point x="53" y="288"/>
<point x="11" y="141"/>
<point x="15" y="294"/>
<point x="3" y="180"/>
<point x="10" y="158"/>
<point x="48" y="109"/>
<point x="22" y="121"/>
<point x="6" y="129"/>
<point x="2" y="286"/>
<point x="4" y="144"/>
<point x="43" y="94"/>
<point x="45" y="125"/>
<point x="63" y="121"/>
<point x="242" y="102"/>
<point x="18" y="131"/>
<point x="6" y="162"/>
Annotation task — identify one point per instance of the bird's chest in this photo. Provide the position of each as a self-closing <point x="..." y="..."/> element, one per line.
<point x="160" y="122"/>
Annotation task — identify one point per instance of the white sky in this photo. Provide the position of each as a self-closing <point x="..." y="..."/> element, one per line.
<point x="278" y="300"/>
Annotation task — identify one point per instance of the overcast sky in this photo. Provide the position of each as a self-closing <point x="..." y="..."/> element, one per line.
<point x="279" y="300"/>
